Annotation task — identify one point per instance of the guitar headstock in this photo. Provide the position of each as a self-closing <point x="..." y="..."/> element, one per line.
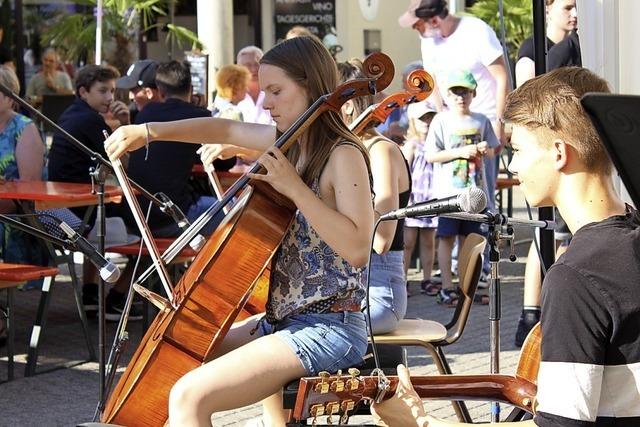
<point x="338" y="395"/>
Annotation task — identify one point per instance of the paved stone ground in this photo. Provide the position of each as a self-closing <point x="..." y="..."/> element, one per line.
<point x="64" y="396"/>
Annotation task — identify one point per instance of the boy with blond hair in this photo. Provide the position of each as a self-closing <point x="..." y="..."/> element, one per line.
<point x="232" y="82"/>
<point x="590" y="362"/>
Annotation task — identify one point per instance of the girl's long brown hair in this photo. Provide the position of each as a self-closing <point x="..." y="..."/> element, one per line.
<point x="306" y="61"/>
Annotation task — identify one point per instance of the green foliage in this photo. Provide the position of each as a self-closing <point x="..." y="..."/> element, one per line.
<point x="75" y="34"/>
<point x="518" y="20"/>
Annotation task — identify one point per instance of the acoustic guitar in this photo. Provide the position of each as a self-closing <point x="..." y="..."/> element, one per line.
<point x="339" y="395"/>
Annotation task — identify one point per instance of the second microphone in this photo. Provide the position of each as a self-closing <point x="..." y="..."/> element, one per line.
<point x="471" y="200"/>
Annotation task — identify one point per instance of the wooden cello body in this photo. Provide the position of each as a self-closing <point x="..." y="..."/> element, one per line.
<point x="214" y="289"/>
<point x="180" y="340"/>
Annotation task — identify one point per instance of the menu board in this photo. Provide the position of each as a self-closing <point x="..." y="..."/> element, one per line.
<point x="318" y="16"/>
<point x="199" y="69"/>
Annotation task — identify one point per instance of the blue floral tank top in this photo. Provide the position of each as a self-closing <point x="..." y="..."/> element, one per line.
<point x="306" y="271"/>
<point x="8" y="139"/>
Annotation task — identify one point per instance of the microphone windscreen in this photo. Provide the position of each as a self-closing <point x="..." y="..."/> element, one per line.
<point x="473" y="200"/>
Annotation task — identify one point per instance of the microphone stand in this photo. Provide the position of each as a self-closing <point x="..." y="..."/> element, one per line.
<point x="500" y="228"/>
<point x="99" y="175"/>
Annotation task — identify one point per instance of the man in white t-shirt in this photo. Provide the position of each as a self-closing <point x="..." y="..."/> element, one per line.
<point x="451" y="43"/>
<point x="251" y="105"/>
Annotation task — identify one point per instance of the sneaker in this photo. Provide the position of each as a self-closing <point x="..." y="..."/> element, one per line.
<point x="447" y="297"/>
<point x="90" y="299"/>
<point x="483" y="281"/>
<point x="115" y="307"/>
<point x="528" y="319"/>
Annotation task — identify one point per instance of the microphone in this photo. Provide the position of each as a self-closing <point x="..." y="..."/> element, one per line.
<point x="472" y="200"/>
<point x="108" y="270"/>
<point x="174" y="211"/>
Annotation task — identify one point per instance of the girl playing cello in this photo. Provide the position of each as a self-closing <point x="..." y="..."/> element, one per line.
<point x="313" y="320"/>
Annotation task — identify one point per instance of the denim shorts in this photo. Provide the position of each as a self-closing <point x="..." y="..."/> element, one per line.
<point x="387" y="291"/>
<point x="323" y="342"/>
<point x="448" y="227"/>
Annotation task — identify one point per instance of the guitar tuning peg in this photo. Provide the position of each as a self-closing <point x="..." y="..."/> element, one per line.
<point x="353" y="383"/>
<point x="316" y="411"/>
<point x="332" y="408"/>
<point x="337" y="385"/>
<point x="323" y="385"/>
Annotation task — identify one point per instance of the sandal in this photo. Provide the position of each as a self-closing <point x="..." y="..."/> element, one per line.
<point x="481" y="299"/>
<point x="430" y="288"/>
<point x="448" y="297"/>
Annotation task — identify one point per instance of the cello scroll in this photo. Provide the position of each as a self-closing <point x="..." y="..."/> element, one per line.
<point x="420" y="85"/>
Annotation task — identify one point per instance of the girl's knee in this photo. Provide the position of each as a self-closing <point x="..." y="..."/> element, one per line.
<point x="184" y="397"/>
<point x="179" y="394"/>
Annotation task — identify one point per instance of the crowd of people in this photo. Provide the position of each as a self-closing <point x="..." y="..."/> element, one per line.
<point x="341" y="183"/>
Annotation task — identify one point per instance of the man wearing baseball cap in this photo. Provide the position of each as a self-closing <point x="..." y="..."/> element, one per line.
<point x="422" y="9"/>
<point x="451" y="43"/>
<point x="140" y="81"/>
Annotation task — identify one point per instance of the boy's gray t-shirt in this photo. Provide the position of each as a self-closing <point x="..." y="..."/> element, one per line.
<point x="448" y="131"/>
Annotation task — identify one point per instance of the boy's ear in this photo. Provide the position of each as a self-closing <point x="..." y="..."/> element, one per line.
<point x="562" y="151"/>
<point x="82" y="92"/>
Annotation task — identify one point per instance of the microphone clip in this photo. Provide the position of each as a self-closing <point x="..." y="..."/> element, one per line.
<point x="171" y="209"/>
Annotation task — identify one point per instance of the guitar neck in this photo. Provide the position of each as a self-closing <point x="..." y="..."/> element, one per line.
<point x="330" y="395"/>
<point x="503" y="388"/>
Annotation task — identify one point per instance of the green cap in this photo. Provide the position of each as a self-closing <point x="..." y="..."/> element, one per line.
<point x="461" y="78"/>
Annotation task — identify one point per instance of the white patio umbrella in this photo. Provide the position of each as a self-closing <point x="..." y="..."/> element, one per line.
<point x="99" y="32"/>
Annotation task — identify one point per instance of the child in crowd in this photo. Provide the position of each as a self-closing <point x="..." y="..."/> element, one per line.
<point x="422" y="230"/>
<point x="456" y="143"/>
<point x="231" y="83"/>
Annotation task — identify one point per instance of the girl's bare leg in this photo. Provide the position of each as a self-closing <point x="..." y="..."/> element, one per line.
<point x="427" y="238"/>
<point x="239" y="378"/>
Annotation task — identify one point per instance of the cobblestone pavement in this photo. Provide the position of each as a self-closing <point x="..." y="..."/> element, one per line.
<point x="65" y="391"/>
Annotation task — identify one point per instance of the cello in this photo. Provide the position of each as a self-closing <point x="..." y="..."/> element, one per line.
<point x="212" y="292"/>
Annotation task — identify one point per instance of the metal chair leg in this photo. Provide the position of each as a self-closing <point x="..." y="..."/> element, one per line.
<point x="38" y="327"/>
<point x="459" y="407"/>
<point x="11" y="334"/>
<point x="75" y="284"/>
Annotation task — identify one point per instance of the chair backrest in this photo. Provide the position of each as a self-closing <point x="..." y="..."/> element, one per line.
<point x="53" y="106"/>
<point x="469" y="269"/>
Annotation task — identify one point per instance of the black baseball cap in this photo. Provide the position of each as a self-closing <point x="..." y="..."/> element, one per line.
<point x="421" y="9"/>
<point x="140" y="74"/>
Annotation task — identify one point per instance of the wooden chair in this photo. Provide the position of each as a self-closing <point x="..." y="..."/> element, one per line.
<point x="424" y="333"/>
<point x="12" y="276"/>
